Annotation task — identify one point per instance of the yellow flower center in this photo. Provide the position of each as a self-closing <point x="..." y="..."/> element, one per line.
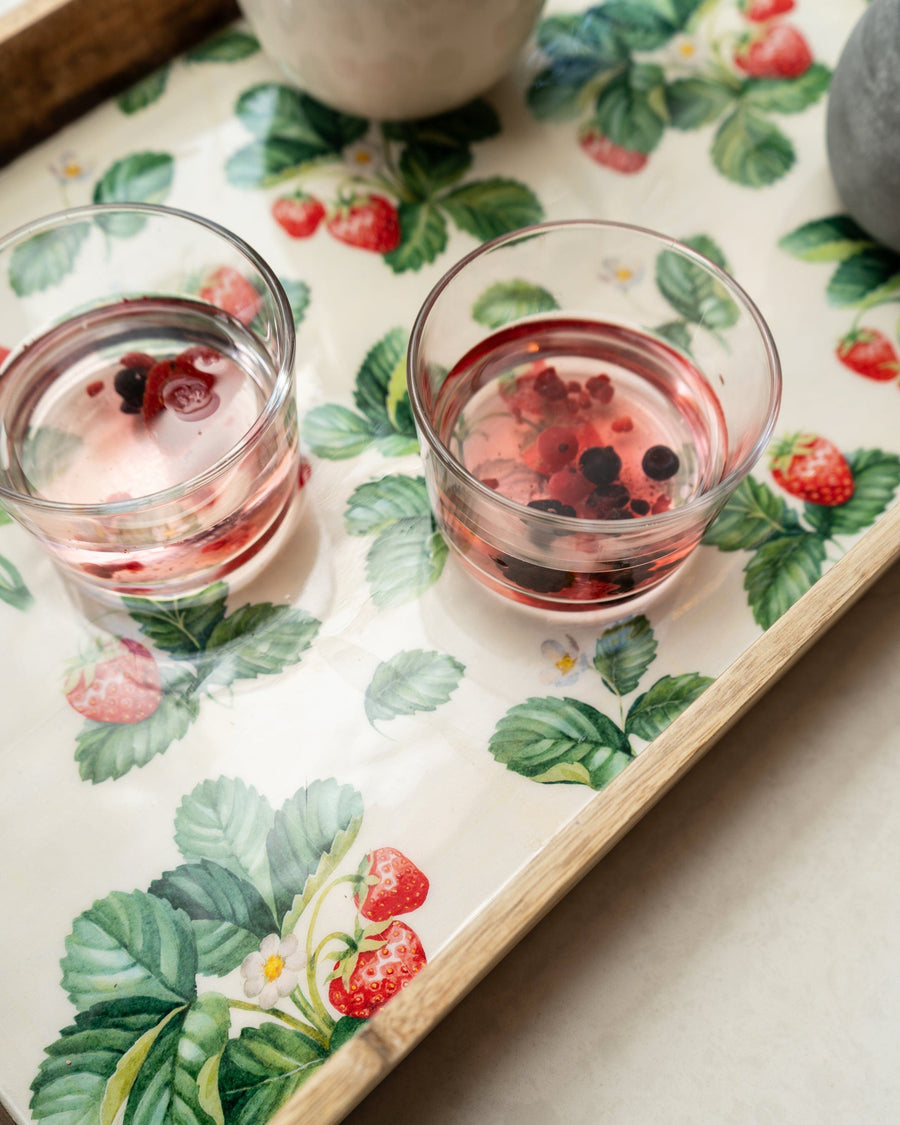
<point x="624" y="274"/>
<point x="565" y="664"/>
<point x="687" y="50"/>
<point x="272" y="967"/>
<point x="363" y="157"/>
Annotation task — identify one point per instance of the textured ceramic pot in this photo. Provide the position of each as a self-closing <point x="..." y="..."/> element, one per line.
<point x="863" y="123"/>
<point x="393" y="59"/>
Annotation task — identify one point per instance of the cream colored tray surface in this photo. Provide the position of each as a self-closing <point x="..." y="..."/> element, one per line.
<point x="375" y="697"/>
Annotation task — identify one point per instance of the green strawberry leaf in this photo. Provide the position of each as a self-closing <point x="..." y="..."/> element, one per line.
<point x="145" y="92"/>
<point x="13" y="590"/>
<point x="142" y="177"/>
<point x="396" y="445"/>
<point x="376" y="379"/>
<point x="182" y="627"/>
<point x="130" y="945"/>
<point x="230" y="45"/>
<point x="697" y="101"/>
<point x="336" y="433"/>
<point x="426" y="168"/>
<point x="876" y="476"/>
<point x="643" y="26"/>
<point x="782" y="570"/>
<point x="867" y="277"/>
<point x="630" y="108"/>
<point x="539" y="734"/>
<point x="271" y="110"/>
<point x="749" y="150"/>
<point x="45" y="259"/>
<point x="652" y="712"/>
<point x="623" y="654"/>
<point x="826" y="240"/>
<point x="310" y="834"/>
<point x="753" y="515"/>
<point x="562" y="90"/>
<point x="692" y="291"/>
<point x="423" y="236"/>
<point x="265" y="163"/>
<point x="677" y="333"/>
<point x="707" y="246"/>
<point x="297" y="293"/>
<point x="262" y="1069"/>
<point x="791" y="95"/>
<point x="378" y="504"/>
<point x="227" y="821"/>
<point x="161" y="1078"/>
<point x="489" y="208"/>
<point x="209" y="893"/>
<point x="109" y="750"/>
<point x="72" y="1081"/>
<point x="584" y="35"/>
<point x="404" y="561"/>
<point x="411" y="681"/>
<point x="258" y="640"/>
<point x="506" y="301"/>
<point x="475" y="121"/>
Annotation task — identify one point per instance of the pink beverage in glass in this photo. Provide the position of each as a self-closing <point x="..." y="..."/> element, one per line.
<point x="143" y="405"/>
<point x="587" y="397"/>
<point x="589" y="422"/>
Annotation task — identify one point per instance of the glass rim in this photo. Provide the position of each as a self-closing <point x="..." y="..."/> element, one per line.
<point x="708" y="498"/>
<point x="279" y="392"/>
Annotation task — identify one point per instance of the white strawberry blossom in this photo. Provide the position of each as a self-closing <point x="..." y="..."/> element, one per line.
<point x="69" y="167"/>
<point x="567" y="662"/>
<point x="363" y="157"/>
<point x="273" y="971"/>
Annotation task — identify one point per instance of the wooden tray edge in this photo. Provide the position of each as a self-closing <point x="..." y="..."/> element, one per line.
<point x="481" y="943"/>
<point x="59" y="58"/>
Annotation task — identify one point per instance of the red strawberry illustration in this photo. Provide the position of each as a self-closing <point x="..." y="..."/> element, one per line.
<point x="812" y="469"/>
<point x="298" y="215"/>
<point x="870" y="353"/>
<point x="780" y="51"/>
<point x="378" y="962"/>
<point x="231" y="291"/>
<point x="603" y="151"/>
<point x="761" y="11"/>
<point x="394" y="885"/>
<point x="121" y="685"/>
<point x="369" y="222"/>
<point x="4" y="352"/>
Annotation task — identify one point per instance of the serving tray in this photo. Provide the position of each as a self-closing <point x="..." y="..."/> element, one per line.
<point x="362" y="693"/>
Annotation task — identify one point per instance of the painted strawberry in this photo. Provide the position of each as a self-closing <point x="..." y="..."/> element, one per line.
<point x="228" y="289"/>
<point x="121" y="685"/>
<point x="369" y="222"/>
<point x="392" y="883"/>
<point x="870" y="353"/>
<point x="812" y="469"/>
<point x="298" y="215"/>
<point x="780" y="51"/>
<point x="378" y="962"/>
<point x="761" y="11"/>
<point x="4" y="352"/>
<point x="604" y="151"/>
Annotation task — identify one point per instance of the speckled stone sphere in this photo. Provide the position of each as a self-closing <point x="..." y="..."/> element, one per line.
<point x="863" y="123"/>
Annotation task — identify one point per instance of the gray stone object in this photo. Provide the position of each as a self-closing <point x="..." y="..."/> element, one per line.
<point x="863" y="123"/>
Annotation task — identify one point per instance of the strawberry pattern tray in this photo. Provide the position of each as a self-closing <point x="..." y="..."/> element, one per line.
<point x="362" y="772"/>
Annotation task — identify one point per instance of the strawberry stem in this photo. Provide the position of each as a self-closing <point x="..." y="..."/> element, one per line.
<point x="312" y="955"/>
<point x="314" y="1033"/>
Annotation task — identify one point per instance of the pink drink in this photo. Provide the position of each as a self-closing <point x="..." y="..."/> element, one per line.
<point x="588" y="422"/>
<point x="145" y="397"/>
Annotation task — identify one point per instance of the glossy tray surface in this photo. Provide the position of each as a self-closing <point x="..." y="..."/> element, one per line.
<point x="363" y="696"/>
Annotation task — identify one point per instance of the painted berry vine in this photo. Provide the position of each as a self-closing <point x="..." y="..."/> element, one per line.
<point x="214" y="995"/>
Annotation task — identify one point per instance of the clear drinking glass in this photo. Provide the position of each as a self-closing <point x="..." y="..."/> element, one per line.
<point x="587" y="396"/>
<point x="148" y="420"/>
